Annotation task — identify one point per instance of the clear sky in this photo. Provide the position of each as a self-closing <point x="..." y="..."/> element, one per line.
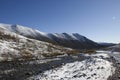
<point x="98" y="20"/>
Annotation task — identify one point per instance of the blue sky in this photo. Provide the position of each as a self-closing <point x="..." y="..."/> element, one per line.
<point x="98" y="20"/>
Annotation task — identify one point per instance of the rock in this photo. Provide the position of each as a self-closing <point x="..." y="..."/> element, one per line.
<point x="28" y="73"/>
<point x="88" y="77"/>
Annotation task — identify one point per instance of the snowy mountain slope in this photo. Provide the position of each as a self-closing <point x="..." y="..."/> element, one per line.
<point x="94" y="67"/>
<point x="114" y="48"/>
<point x="25" y="31"/>
<point x="66" y="36"/>
<point x="14" y="46"/>
<point x="73" y="40"/>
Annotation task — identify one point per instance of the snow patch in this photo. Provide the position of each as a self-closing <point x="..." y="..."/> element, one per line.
<point x="92" y="69"/>
<point x="101" y="55"/>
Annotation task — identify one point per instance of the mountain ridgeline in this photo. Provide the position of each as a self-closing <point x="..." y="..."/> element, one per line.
<point x="74" y="40"/>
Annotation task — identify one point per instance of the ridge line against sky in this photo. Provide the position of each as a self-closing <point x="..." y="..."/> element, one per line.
<point x="98" y="20"/>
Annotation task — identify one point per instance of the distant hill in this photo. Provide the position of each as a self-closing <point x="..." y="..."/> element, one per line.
<point x="106" y="44"/>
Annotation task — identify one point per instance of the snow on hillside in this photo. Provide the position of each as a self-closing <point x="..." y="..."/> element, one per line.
<point x="93" y="68"/>
<point x="114" y="54"/>
<point x="32" y="32"/>
<point x="14" y="46"/>
<point x="22" y="30"/>
<point x="70" y="36"/>
<point x="72" y="40"/>
<point x="29" y="31"/>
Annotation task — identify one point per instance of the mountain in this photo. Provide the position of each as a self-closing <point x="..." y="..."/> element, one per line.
<point x="73" y="40"/>
<point x="14" y="47"/>
<point x="106" y="44"/>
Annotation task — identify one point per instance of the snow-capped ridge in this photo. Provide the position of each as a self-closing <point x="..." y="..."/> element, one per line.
<point x="68" y="36"/>
<point x="72" y="40"/>
<point x="22" y="30"/>
<point x="33" y="32"/>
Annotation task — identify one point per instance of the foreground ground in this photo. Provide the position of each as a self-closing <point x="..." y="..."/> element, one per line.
<point x="100" y="66"/>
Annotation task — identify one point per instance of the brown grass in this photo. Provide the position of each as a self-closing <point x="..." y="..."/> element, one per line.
<point x="51" y="54"/>
<point x="90" y="51"/>
<point x="73" y="51"/>
<point x="8" y="36"/>
<point x="26" y="54"/>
